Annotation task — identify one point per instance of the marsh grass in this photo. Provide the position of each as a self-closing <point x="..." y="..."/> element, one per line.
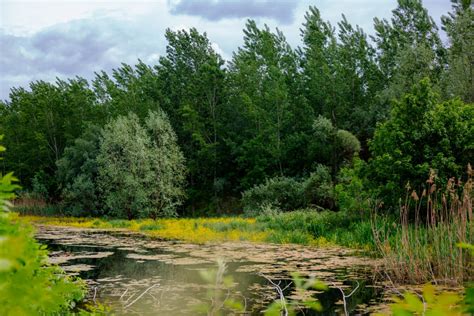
<point x="424" y="245"/>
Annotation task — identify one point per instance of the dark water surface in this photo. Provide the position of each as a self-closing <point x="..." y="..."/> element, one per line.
<point x="137" y="275"/>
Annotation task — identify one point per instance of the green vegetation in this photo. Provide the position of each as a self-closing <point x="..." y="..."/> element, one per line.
<point x="424" y="246"/>
<point x="272" y="112"/>
<point x="140" y="170"/>
<point x="316" y="145"/>
<point x="28" y="284"/>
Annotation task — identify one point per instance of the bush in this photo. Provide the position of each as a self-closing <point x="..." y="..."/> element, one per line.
<point x="28" y="285"/>
<point x="280" y="193"/>
<point x="288" y="194"/>
<point x="319" y="189"/>
<point x="352" y="193"/>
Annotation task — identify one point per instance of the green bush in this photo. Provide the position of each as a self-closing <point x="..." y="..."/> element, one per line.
<point x="28" y="285"/>
<point x="319" y="189"/>
<point x="281" y="193"/>
<point x="288" y="194"/>
<point x="352" y="193"/>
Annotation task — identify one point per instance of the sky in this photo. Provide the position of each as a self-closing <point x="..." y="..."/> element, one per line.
<point x="44" y="39"/>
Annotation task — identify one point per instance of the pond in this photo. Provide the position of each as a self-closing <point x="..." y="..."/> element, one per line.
<point x="137" y="275"/>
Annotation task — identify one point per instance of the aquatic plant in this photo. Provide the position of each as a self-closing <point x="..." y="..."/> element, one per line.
<point x="423" y="246"/>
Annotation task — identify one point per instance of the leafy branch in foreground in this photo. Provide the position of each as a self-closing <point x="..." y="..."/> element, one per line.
<point x="28" y="285"/>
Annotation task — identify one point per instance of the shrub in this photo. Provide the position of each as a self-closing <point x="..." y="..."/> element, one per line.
<point x="28" y="285"/>
<point x="282" y="193"/>
<point x="352" y="193"/>
<point x="318" y="188"/>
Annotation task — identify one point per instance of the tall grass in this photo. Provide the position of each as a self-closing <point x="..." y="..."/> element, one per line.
<point x="424" y="246"/>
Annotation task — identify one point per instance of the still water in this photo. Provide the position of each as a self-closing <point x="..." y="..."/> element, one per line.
<point x="136" y="275"/>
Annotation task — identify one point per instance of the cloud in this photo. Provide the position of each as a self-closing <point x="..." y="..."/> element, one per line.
<point x="76" y="48"/>
<point x="282" y="11"/>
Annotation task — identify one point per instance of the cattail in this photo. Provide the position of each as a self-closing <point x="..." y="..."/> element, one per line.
<point x="414" y="196"/>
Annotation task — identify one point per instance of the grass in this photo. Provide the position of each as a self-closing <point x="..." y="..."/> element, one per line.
<point x="424" y="246"/>
<point x="301" y="227"/>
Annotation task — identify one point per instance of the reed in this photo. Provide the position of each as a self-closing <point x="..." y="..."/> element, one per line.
<point x="424" y="245"/>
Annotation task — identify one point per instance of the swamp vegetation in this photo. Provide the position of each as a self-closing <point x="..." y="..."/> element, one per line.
<point x="332" y="178"/>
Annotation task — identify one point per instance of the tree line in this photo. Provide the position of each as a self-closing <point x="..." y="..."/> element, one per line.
<point x="274" y="119"/>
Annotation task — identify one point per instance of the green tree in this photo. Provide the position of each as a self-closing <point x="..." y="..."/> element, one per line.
<point x="458" y="79"/>
<point x="421" y="134"/>
<point x="192" y="82"/>
<point x="266" y="121"/>
<point x="331" y="146"/>
<point x="39" y="123"/>
<point x="77" y="174"/>
<point x="141" y="168"/>
<point x="408" y="49"/>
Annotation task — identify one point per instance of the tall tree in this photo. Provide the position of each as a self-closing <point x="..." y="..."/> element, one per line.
<point x="191" y="75"/>
<point x="39" y="123"/>
<point x="140" y="167"/>
<point x="265" y="117"/>
<point x="409" y="49"/>
<point x="459" y="26"/>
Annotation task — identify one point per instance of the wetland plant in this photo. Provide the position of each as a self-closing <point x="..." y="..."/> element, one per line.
<point x="423" y="246"/>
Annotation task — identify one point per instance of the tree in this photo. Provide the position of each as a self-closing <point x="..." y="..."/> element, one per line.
<point x="458" y="79"/>
<point x="265" y="119"/>
<point x="39" y="123"/>
<point x="421" y="134"/>
<point x="141" y="168"/>
<point x="77" y="174"/>
<point x="408" y="49"/>
<point x="191" y="78"/>
<point x="332" y="146"/>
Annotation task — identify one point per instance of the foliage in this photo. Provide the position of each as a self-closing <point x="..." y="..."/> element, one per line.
<point x="77" y="174"/>
<point x="289" y="194"/>
<point x="421" y="134"/>
<point x="319" y="189"/>
<point x="351" y="192"/>
<point x="429" y="302"/>
<point x="273" y="111"/>
<point x="285" y="194"/>
<point x="140" y="168"/>
<point x="28" y="285"/>
<point x="458" y="79"/>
